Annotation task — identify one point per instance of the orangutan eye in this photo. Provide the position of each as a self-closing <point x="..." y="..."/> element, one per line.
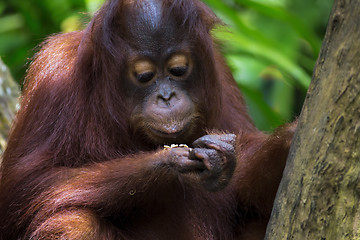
<point x="145" y="77"/>
<point x="178" y="71"/>
<point x="178" y="65"/>
<point x="144" y="71"/>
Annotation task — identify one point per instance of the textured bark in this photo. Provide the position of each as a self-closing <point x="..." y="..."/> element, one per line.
<point x="9" y="93"/>
<point x="319" y="195"/>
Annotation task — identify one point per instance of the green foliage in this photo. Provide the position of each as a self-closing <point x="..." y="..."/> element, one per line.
<point x="24" y="24"/>
<point x="271" y="45"/>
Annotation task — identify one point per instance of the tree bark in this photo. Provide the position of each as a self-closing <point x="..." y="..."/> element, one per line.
<point x="319" y="194"/>
<point x="9" y="93"/>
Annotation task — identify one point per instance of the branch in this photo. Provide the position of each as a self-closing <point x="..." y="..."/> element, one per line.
<point x="319" y="194"/>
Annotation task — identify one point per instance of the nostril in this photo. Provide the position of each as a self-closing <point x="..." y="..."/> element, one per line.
<point x="166" y="96"/>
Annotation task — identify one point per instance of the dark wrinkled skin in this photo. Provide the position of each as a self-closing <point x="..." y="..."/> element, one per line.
<point x="212" y="157"/>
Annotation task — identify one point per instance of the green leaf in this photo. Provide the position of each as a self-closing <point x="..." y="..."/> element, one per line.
<point x="93" y="5"/>
<point x="280" y="13"/>
<point x="264" y="117"/>
<point x="240" y="42"/>
<point x="11" y="22"/>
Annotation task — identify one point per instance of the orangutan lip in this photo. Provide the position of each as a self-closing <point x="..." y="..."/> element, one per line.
<point x="170" y="133"/>
<point x="163" y="134"/>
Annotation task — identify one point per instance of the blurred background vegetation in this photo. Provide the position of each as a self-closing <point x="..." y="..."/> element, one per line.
<point x="270" y="45"/>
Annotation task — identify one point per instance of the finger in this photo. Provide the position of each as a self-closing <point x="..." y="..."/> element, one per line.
<point x="192" y="154"/>
<point x="216" y="145"/>
<point x="228" y="138"/>
<point x="214" y="140"/>
<point x="221" y="147"/>
<point x="188" y="165"/>
<point x="180" y="152"/>
<point x="204" y="141"/>
<point x="203" y="155"/>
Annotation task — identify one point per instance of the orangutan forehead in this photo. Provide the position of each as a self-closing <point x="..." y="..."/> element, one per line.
<point x="152" y="10"/>
<point x="148" y="26"/>
<point x="149" y="12"/>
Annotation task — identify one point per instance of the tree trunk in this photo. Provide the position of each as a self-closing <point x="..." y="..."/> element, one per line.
<point x="9" y="93"/>
<point x="319" y="194"/>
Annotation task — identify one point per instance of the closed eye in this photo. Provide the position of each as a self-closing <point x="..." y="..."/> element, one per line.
<point x="143" y="71"/>
<point x="145" y="77"/>
<point x="179" y="65"/>
<point x="178" y="71"/>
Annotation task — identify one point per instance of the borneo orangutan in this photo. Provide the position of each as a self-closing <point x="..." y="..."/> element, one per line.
<point x="86" y="156"/>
